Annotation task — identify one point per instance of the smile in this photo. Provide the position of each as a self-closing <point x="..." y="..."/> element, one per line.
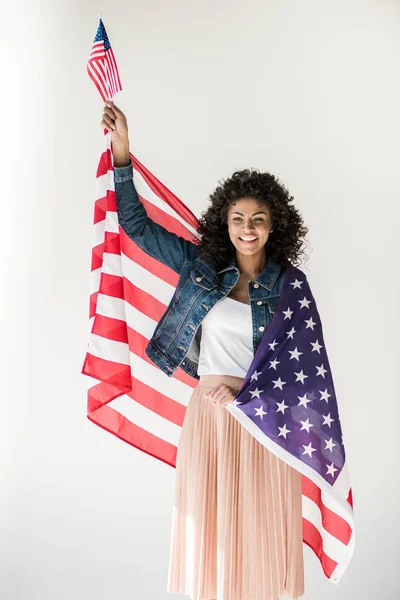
<point x="248" y="241"/>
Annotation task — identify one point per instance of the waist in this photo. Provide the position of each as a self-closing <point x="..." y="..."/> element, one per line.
<point x="212" y="380"/>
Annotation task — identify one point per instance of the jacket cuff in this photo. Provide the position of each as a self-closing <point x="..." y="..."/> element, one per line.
<point x="123" y="173"/>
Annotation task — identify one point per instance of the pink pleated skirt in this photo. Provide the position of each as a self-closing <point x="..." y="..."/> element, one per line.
<point x="237" y="515"/>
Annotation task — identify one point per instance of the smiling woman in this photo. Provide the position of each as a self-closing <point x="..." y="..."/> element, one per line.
<point x="237" y="520"/>
<point x="249" y="205"/>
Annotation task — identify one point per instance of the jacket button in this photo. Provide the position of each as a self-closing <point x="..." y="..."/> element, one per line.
<point x="184" y="363"/>
<point x="259" y="302"/>
<point x="198" y="278"/>
<point x="256" y="285"/>
<point x="261" y="328"/>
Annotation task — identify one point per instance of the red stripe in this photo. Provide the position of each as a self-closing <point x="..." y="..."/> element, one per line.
<point x="119" y="331"/>
<point x="167" y="196"/>
<point x="112" y="285"/>
<point x="107" y="371"/>
<point x="93" y="304"/>
<point x="159" y="403"/>
<point x="313" y="539"/>
<point x="350" y="497"/>
<point x="143" y="301"/>
<point x="112" y="329"/>
<point x="133" y="252"/>
<point x="121" y="288"/>
<point x="332" y="522"/>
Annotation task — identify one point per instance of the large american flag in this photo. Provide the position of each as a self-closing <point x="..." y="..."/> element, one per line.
<point x="287" y="399"/>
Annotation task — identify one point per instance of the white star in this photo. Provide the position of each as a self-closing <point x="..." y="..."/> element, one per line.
<point x="300" y="376"/>
<point x="291" y="332"/>
<point x="273" y="344"/>
<point x="329" y="444"/>
<point x="255" y="375"/>
<point x="328" y="420"/>
<point x="309" y="449"/>
<point x="235" y="402"/>
<point x="295" y="353"/>
<point x="282" y="407"/>
<point x="330" y="470"/>
<point x="260" y="412"/>
<point x="303" y="400"/>
<point x="296" y="284"/>
<point x="316" y="346"/>
<point x="283" y="431"/>
<point x="306" y="425"/>
<point x="255" y="392"/>
<point x="304" y="303"/>
<point x="288" y="313"/>
<point x="321" y="370"/>
<point x="279" y="383"/>
<point x="325" y="395"/>
<point x="310" y="323"/>
<point x="274" y="363"/>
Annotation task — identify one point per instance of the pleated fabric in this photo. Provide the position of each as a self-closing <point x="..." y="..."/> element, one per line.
<point x="237" y="515"/>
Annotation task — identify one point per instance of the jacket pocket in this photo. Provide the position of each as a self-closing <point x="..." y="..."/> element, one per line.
<point x="200" y="279"/>
<point x="272" y="303"/>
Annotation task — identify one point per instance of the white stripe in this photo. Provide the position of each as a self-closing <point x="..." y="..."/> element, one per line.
<point x="147" y="419"/>
<point x="111" y="222"/>
<point x="115" y="308"/>
<point x="333" y="547"/>
<point x="98" y="233"/>
<point x="103" y="183"/>
<point x="121" y="265"/>
<point x="140" y="369"/>
<point x="147" y="193"/>
<point x="145" y="280"/>
<point x="112" y="264"/>
<point x="108" y="349"/>
<point x="158" y="380"/>
<point x="94" y="280"/>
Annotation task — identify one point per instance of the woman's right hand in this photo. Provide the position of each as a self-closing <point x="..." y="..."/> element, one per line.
<point x="115" y="121"/>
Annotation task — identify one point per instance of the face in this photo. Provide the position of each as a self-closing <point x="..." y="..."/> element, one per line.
<point x="246" y="219"/>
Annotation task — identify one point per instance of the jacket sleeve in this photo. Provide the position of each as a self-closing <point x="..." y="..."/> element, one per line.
<point x="163" y="245"/>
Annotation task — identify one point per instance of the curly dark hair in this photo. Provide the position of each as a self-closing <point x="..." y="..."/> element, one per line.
<point x="285" y="242"/>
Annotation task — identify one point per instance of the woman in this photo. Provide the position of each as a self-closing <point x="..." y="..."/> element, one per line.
<point x="237" y="518"/>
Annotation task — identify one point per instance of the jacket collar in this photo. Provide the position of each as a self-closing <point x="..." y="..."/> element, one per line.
<point x="267" y="278"/>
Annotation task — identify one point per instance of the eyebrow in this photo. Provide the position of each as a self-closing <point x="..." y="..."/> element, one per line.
<point x="260" y="212"/>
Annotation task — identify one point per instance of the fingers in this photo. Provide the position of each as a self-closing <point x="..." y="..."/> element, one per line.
<point x="108" y="123"/>
<point x="218" y="394"/>
<point x="114" y="108"/>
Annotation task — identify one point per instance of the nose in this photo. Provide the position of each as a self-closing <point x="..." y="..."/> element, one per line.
<point x="248" y="228"/>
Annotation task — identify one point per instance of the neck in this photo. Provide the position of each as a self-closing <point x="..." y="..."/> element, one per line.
<point x="251" y="266"/>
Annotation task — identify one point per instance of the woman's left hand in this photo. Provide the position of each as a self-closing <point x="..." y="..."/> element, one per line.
<point x="222" y="393"/>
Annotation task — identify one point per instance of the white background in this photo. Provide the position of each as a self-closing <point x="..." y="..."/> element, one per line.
<point x="307" y="90"/>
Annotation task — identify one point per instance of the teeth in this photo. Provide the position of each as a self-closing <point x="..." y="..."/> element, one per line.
<point x="248" y="239"/>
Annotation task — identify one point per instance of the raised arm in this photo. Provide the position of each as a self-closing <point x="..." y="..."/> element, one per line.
<point x="163" y="245"/>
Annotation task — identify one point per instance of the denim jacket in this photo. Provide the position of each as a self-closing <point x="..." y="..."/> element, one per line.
<point x="176" y="339"/>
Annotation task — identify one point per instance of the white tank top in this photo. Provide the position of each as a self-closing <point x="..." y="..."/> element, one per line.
<point x="226" y="346"/>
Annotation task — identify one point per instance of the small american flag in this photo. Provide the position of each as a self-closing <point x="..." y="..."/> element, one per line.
<point x="102" y="67"/>
<point x="288" y="403"/>
<point x="287" y="400"/>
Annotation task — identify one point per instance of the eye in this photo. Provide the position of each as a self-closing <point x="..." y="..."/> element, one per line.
<point x="256" y="219"/>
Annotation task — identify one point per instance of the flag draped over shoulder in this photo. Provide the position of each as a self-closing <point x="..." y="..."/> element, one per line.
<point x="287" y="400"/>
<point x="288" y="403"/>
